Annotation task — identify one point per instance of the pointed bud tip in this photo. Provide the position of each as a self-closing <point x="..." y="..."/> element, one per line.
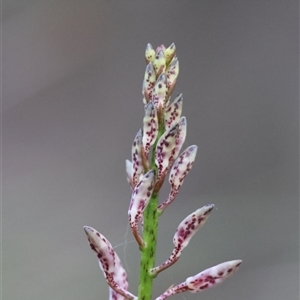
<point x="162" y="77"/>
<point x="88" y="229"/>
<point x="160" y="54"/>
<point x="149" y="46"/>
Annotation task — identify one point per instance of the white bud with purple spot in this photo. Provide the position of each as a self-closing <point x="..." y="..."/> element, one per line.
<point x="181" y="167"/>
<point x="173" y="112"/>
<point x="159" y="93"/>
<point x="148" y="83"/>
<point x="110" y="264"/>
<point x="149" y="53"/>
<point x="139" y="201"/>
<point x="137" y="160"/>
<point x="170" y="53"/>
<point x="212" y="276"/>
<point x="204" y="280"/>
<point x="150" y="128"/>
<point x="172" y="74"/>
<point x="159" y="62"/>
<point x="185" y="231"/>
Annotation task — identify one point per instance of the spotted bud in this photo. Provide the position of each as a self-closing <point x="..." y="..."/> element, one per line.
<point x="149" y="53"/>
<point x="181" y="167"/>
<point x="137" y="159"/>
<point x="180" y="139"/>
<point x="170" y="53"/>
<point x="212" y="276"/>
<point x="139" y="201"/>
<point x="164" y="149"/>
<point x="150" y="129"/>
<point x="148" y="83"/>
<point x="160" y="91"/>
<point x="110" y="264"/>
<point x="185" y="231"/>
<point x="172" y="74"/>
<point x="190" y="225"/>
<point x="159" y="62"/>
<point x="173" y="112"/>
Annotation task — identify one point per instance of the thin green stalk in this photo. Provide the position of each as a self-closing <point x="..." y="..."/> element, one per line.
<point x="151" y="216"/>
<point x="148" y="253"/>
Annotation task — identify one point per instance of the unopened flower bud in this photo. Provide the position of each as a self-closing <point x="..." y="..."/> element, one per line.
<point x="149" y="53"/>
<point x="139" y="201"/>
<point x="150" y="128"/>
<point x="173" y="112"/>
<point x="159" y="63"/>
<point x="170" y="52"/>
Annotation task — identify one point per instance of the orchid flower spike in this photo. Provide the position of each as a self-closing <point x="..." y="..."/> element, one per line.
<point x="155" y="153"/>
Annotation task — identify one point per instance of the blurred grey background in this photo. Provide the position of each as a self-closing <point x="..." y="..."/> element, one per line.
<point x="72" y="76"/>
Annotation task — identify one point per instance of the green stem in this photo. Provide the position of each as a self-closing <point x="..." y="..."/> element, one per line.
<point x="148" y="253"/>
<point x="149" y="236"/>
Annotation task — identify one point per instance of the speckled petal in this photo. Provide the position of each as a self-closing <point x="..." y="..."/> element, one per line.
<point x="148" y="83"/>
<point x="185" y="231"/>
<point x="179" y="288"/>
<point x="137" y="160"/>
<point x="149" y="53"/>
<point x="172" y="74"/>
<point x="180" y="138"/>
<point x="139" y="201"/>
<point x="212" y="276"/>
<point x="170" y="53"/>
<point x="109" y="263"/>
<point x="150" y="129"/>
<point x="159" y="62"/>
<point x="173" y="112"/>
<point x="190" y="225"/>
<point x="204" y="280"/>
<point x="164" y="149"/>
<point x="160" y="91"/>
<point x="181" y="167"/>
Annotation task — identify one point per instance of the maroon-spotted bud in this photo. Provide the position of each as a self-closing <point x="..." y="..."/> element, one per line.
<point x="150" y="128"/>
<point x="190" y="225"/>
<point x="160" y="91"/>
<point x="185" y="231"/>
<point x="137" y="158"/>
<point x="170" y="53"/>
<point x="139" y="201"/>
<point x="159" y="62"/>
<point x="110" y="264"/>
<point x="172" y="74"/>
<point x="164" y="149"/>
<point x="181" y="167"/>
<point x="169" y="145"/>
<point x="173" y="290"/>
<point x="180" y="139"/>
<point x="149" y="53"/>
<point x="173" y="112"/>
<point x="212" y="276"/>
<point x="148" y="83"/>
<point x="204" y="280"/>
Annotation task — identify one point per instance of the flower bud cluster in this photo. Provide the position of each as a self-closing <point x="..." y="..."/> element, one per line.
<point x="156" y="152"/>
